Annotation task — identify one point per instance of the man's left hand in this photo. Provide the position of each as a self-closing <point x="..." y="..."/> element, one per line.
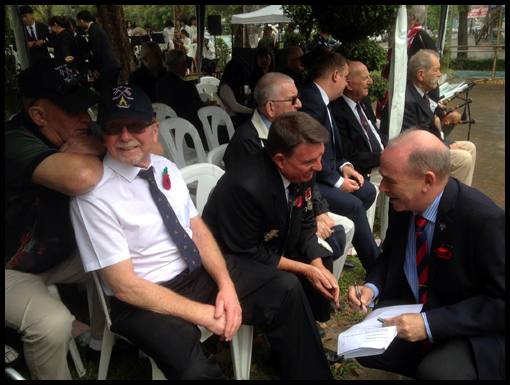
<point x="349" y="173"/>
<point x="410" y="327"/>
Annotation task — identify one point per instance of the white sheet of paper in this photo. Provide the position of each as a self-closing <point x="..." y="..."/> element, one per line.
<point x="369" y="338"/>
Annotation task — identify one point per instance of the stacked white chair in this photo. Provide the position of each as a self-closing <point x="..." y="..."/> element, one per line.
<point x="172" y="136"/>
<point x="207" y="175"/>
<point x="218" y="117"/>
<point x="163" y="111"/>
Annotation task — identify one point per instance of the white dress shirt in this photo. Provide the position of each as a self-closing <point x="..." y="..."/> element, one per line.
<point x="325" y="99"/>
<point x="352" y="104"/>
<point x="119" y="220"/>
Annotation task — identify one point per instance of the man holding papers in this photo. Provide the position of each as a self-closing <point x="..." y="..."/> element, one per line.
<point x="444" y="249"/>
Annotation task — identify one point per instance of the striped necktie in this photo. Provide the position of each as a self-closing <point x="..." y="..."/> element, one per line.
<point x="181" y="238"/>
<point x="422" y="257"/>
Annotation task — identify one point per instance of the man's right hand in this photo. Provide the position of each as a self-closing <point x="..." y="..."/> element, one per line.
<point x="367" y="296"/>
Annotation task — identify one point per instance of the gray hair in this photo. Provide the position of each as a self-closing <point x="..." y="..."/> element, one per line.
<point x="418" y="11"/>
<point x="268" y="87"/>
<point x="290" y="130"/>
<point x="424" y="158"/>
<point x="421" y="60"/>
<point x="175" y="58"/>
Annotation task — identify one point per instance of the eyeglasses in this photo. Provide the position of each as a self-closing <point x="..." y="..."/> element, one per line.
<point x="135" y="128"/>
<point x="293" y="100"/>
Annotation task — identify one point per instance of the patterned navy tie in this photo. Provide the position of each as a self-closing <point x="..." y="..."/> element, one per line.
<point x="422" y="257"/>
<point x="181" y="238"/>
<point x="376" y="147"/>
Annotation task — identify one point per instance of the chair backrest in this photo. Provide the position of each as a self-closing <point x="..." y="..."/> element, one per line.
<point x="102" y="299"/>
<point x="215" y="156"/>
<point x="172" y="136"/>
<point x="163" y="111"/>
<point x="218" y="116"/>
<point x="206" y="175"/>
<point x="211" y="80"/>
<point x="207" y="88"/>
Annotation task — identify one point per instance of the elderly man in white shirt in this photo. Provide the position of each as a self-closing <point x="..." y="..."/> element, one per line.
<point x="138" y="227"/>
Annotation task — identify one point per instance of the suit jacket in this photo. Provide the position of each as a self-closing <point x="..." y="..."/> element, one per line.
<point x="101" y="47"/>
<point x="42" y="32"/>
<point x="248" y="214"/>
<point x="355" y="142"/>
<point x="466" y="293"/>
<point x="248" y="139"/>
<point x="183" y="97"/>
<point x="333" y="156"/>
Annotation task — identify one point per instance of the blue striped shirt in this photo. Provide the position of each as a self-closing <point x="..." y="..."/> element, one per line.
<point x="410" y="259"/>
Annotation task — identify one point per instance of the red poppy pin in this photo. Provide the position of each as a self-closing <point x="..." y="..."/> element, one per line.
<point x="298" y="202"/>
<point x="444" y="251"/>
<point x="166" y="179"/>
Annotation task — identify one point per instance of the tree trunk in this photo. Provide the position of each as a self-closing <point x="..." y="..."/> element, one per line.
<point x="463" y="35"/>
<point x="113" y="21"/>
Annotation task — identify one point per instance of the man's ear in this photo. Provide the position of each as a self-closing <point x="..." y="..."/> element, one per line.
<point x="419" y="75"/>
<point x="37" y="113"/>
<point x="278" y="160"/>
<point x="429" y="180"/>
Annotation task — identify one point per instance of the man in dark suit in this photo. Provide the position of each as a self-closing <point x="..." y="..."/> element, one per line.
<point x="181" y="95"/>
<point x="445" y="249"/>
<point x="37" y="34"/>
<point x="292" y="66"/>
<point x="106" y="64"/>
<point x="423" y="73"/>
<point x="345" y="189"/>
<point x="261" y="209"/>
<point x="362" y="142"/>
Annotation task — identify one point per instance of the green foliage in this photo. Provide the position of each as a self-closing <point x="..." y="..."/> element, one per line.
<point x="303" y="17"/>
<point x="478" y="64"/>
<point x="378" y="89"/>
<point x="292" y="39"/>
<point x="365" y="51"/>
<point x="349" y="23"/>
<point x="223" y="53"/>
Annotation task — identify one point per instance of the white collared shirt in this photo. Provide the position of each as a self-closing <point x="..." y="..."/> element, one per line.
<point x="352" y="104"/>
<point x="119" y="220"/>
<point x="433" y="104"/>
<point x="325" y="99"/>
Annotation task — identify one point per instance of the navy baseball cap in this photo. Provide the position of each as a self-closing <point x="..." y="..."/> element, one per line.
<point x="124" y="101"/>
<point x="55" y="80"/>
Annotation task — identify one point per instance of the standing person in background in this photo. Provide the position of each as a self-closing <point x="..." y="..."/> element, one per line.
<point x="64" y="44"/>
<point x="37" y="34"/>
<point x="106" y="64"/>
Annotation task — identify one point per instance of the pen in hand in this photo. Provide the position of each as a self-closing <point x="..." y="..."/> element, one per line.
<point x="358" y="295"/>
<point x="381" y="320"/>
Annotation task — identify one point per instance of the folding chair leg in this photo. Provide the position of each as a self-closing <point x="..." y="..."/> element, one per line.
<point x="106" y="353"/>
<point x="241" y="352"/>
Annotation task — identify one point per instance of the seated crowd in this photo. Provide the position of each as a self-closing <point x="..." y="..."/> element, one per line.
<point x="302" y="169"/>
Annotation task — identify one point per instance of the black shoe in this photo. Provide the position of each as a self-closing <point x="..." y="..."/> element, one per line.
<point x="322" y="332"/>
<point x="349" y="265"/>
<point x="332" y="357"/>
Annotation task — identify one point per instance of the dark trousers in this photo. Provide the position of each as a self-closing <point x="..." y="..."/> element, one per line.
<point x="271" y="298"/>
<point x="108" y="79"/>
<point x="354" y="206"/>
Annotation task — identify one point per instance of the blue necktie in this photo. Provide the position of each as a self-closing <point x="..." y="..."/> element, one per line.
<point x="422" y="257"/>
<point x="181" y="238"/>
<point x="376" y="147"/>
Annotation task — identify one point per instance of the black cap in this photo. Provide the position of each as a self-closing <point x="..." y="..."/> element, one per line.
<point x="55" y="80"/>
<point x="124" y="101"/>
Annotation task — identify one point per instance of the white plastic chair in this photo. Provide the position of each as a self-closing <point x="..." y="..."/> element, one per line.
<point x="376" y="181"/>
<point x="73" y="349"/>
<point x="207" y="175"/>
<point x="171" y="136"/>
<point x="215" y="156"/>
<point x="211" y="80"/>
<point x="109" y="338"/>
<point x="218" y="116"/>
<point x="206" y="88"/>
<point x="163" y="111"/>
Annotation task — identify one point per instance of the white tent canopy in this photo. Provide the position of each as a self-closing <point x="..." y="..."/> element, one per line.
<point x="272" y="14"/>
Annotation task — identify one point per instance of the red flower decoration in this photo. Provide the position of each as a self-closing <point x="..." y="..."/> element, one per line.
<point x="298" y="202"/>
<point x="166" y="179"/>
<point x="444" y="252"/>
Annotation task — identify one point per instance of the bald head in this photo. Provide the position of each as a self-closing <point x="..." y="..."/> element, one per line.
<point x="415" y="168"/>
<point x="358" y="81"/>
<point x="422" y="151"/>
